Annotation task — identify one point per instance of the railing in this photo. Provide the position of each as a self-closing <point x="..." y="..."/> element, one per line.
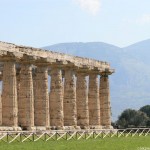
<point x="24" y="136"/>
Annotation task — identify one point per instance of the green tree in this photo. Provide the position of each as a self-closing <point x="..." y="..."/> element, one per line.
<point x="146" y="110"/>
<point x="131" y="117"/>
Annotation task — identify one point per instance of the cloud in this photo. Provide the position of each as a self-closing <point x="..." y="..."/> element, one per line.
<point x="144" y="19"/>
<point x="91" y="6"/>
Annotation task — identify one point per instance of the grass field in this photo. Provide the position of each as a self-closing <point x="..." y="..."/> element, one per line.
<point x="128" y="143"/>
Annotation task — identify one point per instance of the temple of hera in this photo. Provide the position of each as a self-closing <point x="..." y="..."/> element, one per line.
<point x="45" y="90"/>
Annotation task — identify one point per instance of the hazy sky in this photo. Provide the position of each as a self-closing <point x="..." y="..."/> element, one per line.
<point x="44" y="22"/>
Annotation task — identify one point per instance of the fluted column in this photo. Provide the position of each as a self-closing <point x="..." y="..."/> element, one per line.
<point x="82" y="101"/>
<point x="105" y="109"/>
<point x="0" y="110"/>
<point x="9" y="95"/>
<point x="26" y="98"/>
<point x="94" y="103"/>
<point x="56" y="99"/>
<point x="18" y="83"/>
<point x="70" y="110"/>
<point x="41" y="99"/>
<point x="1" y="76"/>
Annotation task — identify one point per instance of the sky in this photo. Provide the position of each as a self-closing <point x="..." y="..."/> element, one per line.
<point x="41" y="23"/>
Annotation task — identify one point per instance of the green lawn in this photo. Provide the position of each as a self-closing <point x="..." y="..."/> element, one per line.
<point x="129" y="143"/>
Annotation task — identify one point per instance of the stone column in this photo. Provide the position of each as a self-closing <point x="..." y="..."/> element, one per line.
<point x="41" y="99"/>
<point x="18" y="83"/>
<point x="56" y="99"/>
<point x="9" y="95"/>
<point x="70" y="110"/>
<point x="94" y="103"/>
<point x="1" y="76"/>
<point x="105" y="101"/>
<point x="0" y="110"/>
<point x="26" y="98"/>
<point x="82" y="101"/>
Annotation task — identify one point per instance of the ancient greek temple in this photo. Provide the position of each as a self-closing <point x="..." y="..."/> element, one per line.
<point x="45" y="90"/>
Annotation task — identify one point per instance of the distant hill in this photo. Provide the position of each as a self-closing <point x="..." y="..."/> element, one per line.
<point x="140" y="50"/>
<point x="130" y="85"/>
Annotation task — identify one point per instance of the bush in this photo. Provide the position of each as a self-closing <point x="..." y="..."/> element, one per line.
<point x="131" y="117"/>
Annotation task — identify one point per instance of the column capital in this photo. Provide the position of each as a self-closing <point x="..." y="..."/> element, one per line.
<point x="10" y="56"/>
<point x="41" y="69"/>
<point x="83" y="71"/>
<point x="66" y="68"/>
<point x="58" y="64"/>
<point x="91" y="72"/>
<point x="44" y="61"/>
<point x="27" y="59"/>
<point x="84" y="74"/>
<point x="107" y="72"/>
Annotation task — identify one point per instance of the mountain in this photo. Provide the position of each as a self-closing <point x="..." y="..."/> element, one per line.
<point x="130" y="84"/>
<point x="140" y="50"/>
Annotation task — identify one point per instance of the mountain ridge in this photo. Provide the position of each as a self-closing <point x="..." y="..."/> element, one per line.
<point x="130" y="83"/>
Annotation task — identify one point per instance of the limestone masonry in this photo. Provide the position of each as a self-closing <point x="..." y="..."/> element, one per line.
<point x="43" y="90"/>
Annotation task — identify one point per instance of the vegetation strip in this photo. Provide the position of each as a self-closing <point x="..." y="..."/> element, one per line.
<point x="10" y="137"/>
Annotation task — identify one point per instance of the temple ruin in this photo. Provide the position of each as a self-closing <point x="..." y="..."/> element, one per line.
<point x="43" y="90"/>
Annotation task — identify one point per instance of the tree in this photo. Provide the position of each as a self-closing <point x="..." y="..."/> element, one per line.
<point x="131" y="117"/>
<point x="146" y="110"/>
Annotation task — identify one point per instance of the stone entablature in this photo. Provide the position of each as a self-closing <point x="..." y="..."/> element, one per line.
<point x="54" y="56"/>
<point x="72" y="102"/>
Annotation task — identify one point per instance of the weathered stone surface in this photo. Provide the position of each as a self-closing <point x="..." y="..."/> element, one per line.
<point x="105" y="102"/>
<point x="26" y="98"/>
<point x="41" y="99"/>
<point x="56" y="99"/>
<point x="6" y="128"/>
<point x="67" y="104"/>
<point x="93" y="100"/>
<point x="82" y="101"/>
<point x="0" y="110"/>
<point x="70" y="110"/>
<point x="18" y="83"/>
<point x="9" y="95"/>
<point x="78" y="61"/>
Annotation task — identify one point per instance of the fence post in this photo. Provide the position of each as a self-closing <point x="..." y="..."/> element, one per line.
<point x="45" y="137"/>
<point x="93" y="134"/>
<point x="56" y="135"/>
<point x="33" y="137"/>
<point x="7" y="137"/>
<point x="20" y="137"/>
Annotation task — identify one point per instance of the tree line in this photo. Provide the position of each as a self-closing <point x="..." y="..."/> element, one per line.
<point x="131" y="118"/>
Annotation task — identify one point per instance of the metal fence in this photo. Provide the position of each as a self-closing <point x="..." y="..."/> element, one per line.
<point x="53" y="135"/>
